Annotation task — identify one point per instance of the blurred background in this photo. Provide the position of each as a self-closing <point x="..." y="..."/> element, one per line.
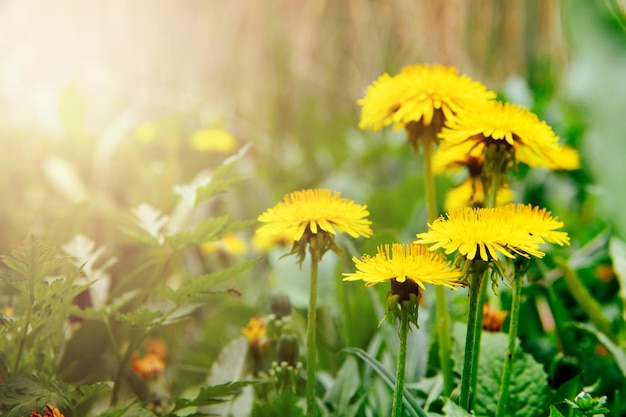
<point x="78" y="79"/>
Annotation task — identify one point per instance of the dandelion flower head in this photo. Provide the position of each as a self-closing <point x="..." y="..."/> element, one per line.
<point x="484" y="232"/>
<point x="404" y="262"/>
<point x="533" y="141"/>
<point x="315" y="211"/>
<point x="419" y="93"/>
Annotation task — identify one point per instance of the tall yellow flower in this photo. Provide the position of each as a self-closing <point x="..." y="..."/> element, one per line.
<point x="404" y="262"/>
<point x="529" y="139"/>
<point x="482" y="233"/>
<point x="419" y="93"/>
<point x="315" y="211"/>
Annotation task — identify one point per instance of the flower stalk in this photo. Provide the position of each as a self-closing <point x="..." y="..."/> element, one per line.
<point x="396" y="410"/>
<point x="471" y="337"/>
<point x="311" y="342"/>
<point x="503" y="398"/>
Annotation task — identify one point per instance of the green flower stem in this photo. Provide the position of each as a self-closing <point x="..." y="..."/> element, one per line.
<point x="586" y="301"/>
<point x="441" y="311"/>
<point x="396" y="410"/>
<point x="503" y="398"/>
<point x="311" y="346"/>
<point x="482" y="299"/>
<point x="471" y="339"/>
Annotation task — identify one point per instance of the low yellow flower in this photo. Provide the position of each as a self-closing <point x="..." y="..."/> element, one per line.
<point x="531" y="140"/>
<point x="146" y="132"/>
<point x="423" y="94"/>
<point x="229" y="243"/>
<point x="404" y="262"/>
<point x="482" y="233"/>
<point x="312" y="212"/>
<point x="48" y="411"/>
<point x="213" y="140"/>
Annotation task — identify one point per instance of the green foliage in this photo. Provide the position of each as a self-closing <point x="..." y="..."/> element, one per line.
<point x="529" y="391"/>
<point x="283" y="405"/>
<point x="209" y="395"/>
<point x="20" y="394"/>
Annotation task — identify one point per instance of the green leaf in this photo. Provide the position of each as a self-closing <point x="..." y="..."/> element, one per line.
<point x="616" y="351"/>
<point x="529" y="392"/>
<point x="211" y="395"/>
<point x="409" y="401"/>
<point x="130" y="410"/>
<point x="21" y="394"/>
<point x="617" y="250"/>
<point x="222" y="178"/>
<point x="198" y="289"/>
<point x="451" y="409"/>
<point x="345" y="386"/>
<point x="142" y="317"/>
<point x="210" y="229"/>
<point x="34" y="260"/>
<point x="283" y="405"/>
<point x="554" y="412"/>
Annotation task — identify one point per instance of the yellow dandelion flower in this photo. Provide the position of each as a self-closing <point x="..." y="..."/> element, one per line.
<point x="230" y="243"/>
<point x="479" y="233"/>
<point x="264" y="243"/>
<point x="470" y="193"/>
<point x="533" y="141"/>
<point x="567" y="159"/>
<point x="539" y="222"/>
<point x="315" y="211"/>
<point x="213" y="140"/>
<point x="485" y="232"/>
<point x="420" y="93"/>
<point x="404" y="262"/>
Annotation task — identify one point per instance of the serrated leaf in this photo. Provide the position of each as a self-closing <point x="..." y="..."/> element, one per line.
<point x="223" y="177"/>
<point x="529" y="392"/>
<point x="210" y="229"/>
<point x="451" y="409"/>
<point x="410" y="402"/>
<point x="198" y="289"/>
<point x="150" y="220"/>
<point x="21" y="394"/>
<point x="211" y="395"/>
<point x="34" y="260"/>
<point x="142" y="317"/>
<point x="130" y="410"/>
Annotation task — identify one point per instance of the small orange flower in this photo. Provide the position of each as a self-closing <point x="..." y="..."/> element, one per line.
<point x="153" y="363"/>
<point x="255" y="331"/>
<point x="49" y="411"/>
<point x="493" y="318"/>
<point x="149" y="366"/>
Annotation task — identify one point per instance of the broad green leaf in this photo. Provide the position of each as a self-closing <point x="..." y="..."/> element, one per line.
<point x="409" y="401"/>
<point x="554" y="412"/>
<point x="451" y="409"/>
<point x="345" y="386"/>
<point x="130" y="410"/>
<point x="616" y="351"/>
<point x="529" y="392"/>
<point x="617" y="250"/>
<point x="200" y="288"/>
